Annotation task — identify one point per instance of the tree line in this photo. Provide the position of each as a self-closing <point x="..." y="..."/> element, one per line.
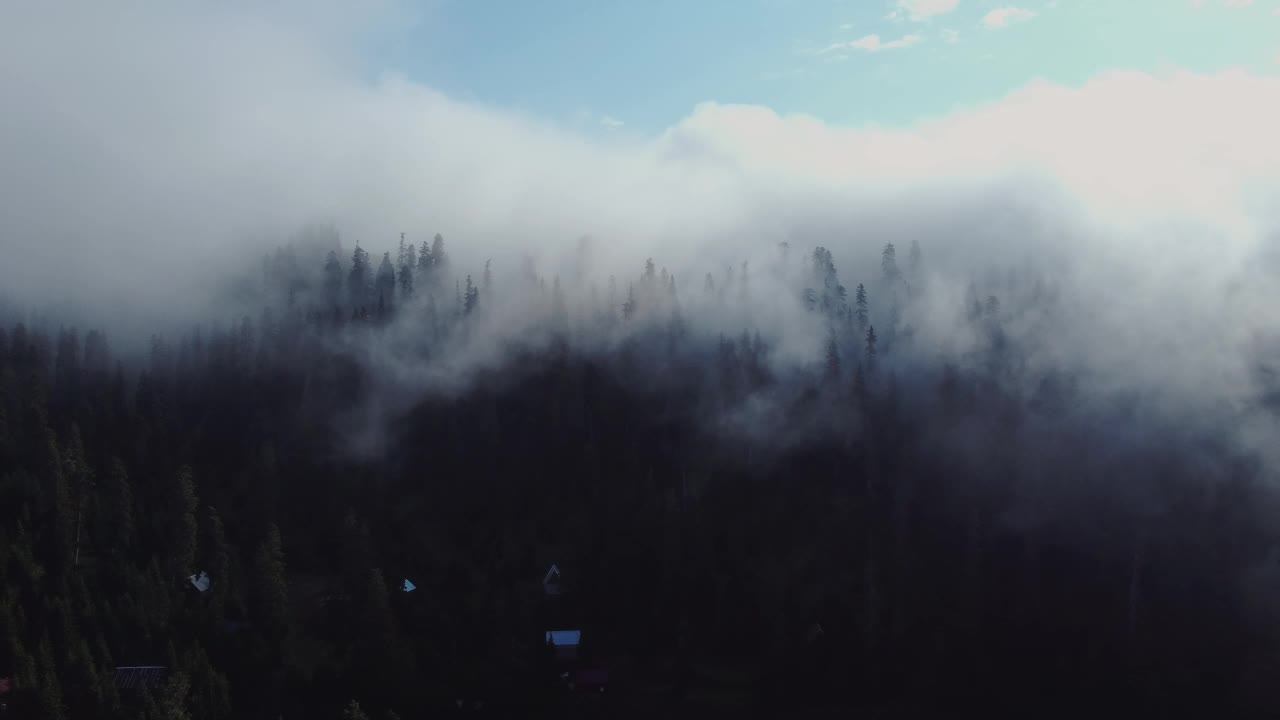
<point x="965" y="532"/>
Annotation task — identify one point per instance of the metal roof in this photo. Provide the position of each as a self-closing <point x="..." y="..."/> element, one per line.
<point x="201" y="581"/>
<point x="136" y="677"/>
<point x="564" y="638"/>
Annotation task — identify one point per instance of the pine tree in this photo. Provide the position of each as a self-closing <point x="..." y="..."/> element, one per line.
<point x="183" y="538"/>
<point x="385" y="284"/>
<point x="860" y="307"/>
<point x="889" y="265"/>
<point x="833" y="358"/>
<point x="406" y="280"/>
<point x="332" y="278"/>
<point x="859" y="385"/>
<point x="353" y="712"/>
<point x="172" y="701"/>
<point x="358" y="277"/>
<point x="80" y="483"/>
<point x="629" y="307"/>
<point x="50" y="688"/>
<point x="216" y="559"/>
<point x="271" y="591"/>
<point x="830" y="296"/>
<point x="439" y="260"/>
<point x="871" y="345"/>
<point x="424" y="258"/>
<point x="472" y="297"/>
<point x="116" y="519"/>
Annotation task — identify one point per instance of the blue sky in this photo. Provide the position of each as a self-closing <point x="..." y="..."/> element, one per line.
<point x="647" y="63"/>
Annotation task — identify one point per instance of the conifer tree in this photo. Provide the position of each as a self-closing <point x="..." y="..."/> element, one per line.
<point x="358" y="278"/>
<point x="424" y="258"/>
<point x="439" y="260"/>
<point x="405" y="281"/>
<point x="889" y="265"/>
<point x="860" y="307"/>
<point x="332" y="278"/>
<point x="832" y="358"/>
<point x="472" y="297"/>
<point x="385" y="285"/>
<point x="270" y="589"/>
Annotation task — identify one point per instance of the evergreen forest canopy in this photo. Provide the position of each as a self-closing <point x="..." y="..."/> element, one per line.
<point x="719" y="463"/>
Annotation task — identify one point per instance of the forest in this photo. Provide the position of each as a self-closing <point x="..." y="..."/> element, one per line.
<point x="851" y="516"/>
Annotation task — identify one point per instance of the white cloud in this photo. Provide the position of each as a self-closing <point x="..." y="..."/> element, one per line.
<point x="1133" y="185"/>
<point x="921" y="10"/>
<point x="610" y="121"/>
<point x="846" y="26"/>
<point x="872" y="43"/>
<point x="1237" y="3"/>
<point x="950" y="36"/>
<point x="1006" y="16"/>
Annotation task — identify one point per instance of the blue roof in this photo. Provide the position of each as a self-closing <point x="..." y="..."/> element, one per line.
<point x="408" y="586"/>
<point x="564" y="638"/>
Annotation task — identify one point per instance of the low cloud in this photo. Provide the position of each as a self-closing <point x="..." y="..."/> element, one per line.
<point x="1006" y="16"/>
<point x="922" y="10"/>
<point x="872" y="43"/>
<point x="143" y="160"/>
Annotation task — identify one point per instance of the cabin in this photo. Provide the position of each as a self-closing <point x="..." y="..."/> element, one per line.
<point x="200" y="582"/>
<point x="408" y="586"/>
<point x="139" y="677"/>
<point x="564" y="644"/>
<point x="551" y="582"/>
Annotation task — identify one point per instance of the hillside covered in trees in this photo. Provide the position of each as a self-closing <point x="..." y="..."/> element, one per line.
<point x="776" y="487"/>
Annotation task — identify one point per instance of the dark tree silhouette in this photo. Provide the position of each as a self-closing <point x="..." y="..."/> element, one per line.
<point x="358" y="278"/>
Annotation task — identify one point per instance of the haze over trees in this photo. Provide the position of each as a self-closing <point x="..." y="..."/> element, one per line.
<point x="974" y="414"/>
<point x="976" y="528"/>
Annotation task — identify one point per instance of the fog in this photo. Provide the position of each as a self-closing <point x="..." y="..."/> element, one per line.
<point x="151" y="153"/>
<point x="1039" y="462"/>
